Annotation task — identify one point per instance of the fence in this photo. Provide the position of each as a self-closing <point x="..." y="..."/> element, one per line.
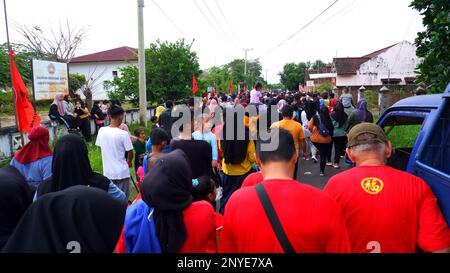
<point x="10" y="141"/>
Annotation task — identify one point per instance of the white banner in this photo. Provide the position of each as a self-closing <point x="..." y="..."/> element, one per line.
<point x="49" y="79"/>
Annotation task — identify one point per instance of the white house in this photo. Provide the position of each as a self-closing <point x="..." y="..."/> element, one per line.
<point x="103" y="66"/>
<point x="394" y="65"/>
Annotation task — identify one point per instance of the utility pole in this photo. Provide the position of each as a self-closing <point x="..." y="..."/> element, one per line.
<point x="22" y="141"/>
<point x="245" y="62"/>
<point x="141" y="50"/>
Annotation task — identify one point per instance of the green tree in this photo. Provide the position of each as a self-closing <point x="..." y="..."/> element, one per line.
<point x="76" y="81"/>
<point x="293" y="74"/>
<point x="433" y="44"/>
<point x="125" y="86"/>
<point x="317" y="65"/>
<point x="22" y="60"/>
<point x="169" y="69"/>
<point x="325" y="87"/>
<point x="220" y="77"/>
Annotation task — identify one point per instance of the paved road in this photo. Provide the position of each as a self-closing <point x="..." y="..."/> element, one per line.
<point x="308" y="173"/>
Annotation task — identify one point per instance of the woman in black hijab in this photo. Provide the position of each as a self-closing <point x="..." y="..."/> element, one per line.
<point x="238" y="157"/>
<point x="71" y="167"/>
<point x="79" y="219"/>
<point x="167" y="189"/>
<point x="15" y="197"/>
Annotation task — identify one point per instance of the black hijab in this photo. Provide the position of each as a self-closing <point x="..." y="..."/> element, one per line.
<point x="167" y="189"/>
<point x="15" y="197"/>
<point x="310" y="109"/>
<point x="61" y="221"/>
<point x="338" y="113"/>
<point x="71" y="167"/>
<point x="234" y="150"/>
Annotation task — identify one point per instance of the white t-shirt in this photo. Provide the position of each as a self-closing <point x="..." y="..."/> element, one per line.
<point x="114" y="142"/>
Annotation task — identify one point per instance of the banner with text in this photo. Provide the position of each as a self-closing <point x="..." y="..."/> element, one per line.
<point x="49" y="79"/>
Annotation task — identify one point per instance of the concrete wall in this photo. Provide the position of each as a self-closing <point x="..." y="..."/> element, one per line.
<point x="100" y="72"/>
<point x="399" y="61"/>
<point x="10" y="138"/>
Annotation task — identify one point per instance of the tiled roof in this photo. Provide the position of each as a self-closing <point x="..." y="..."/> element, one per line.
<point x="351" y="65"/>
<point x="117" y="54"/>
<point x="378" y="52"/>
<point x="348" y="65"/>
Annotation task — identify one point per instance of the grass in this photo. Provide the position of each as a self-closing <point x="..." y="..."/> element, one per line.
<point x="95" y="158"/>
<point x="403" y="136"/>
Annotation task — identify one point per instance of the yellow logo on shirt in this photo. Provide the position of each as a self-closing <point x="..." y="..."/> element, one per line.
<point x="372" y="185"/>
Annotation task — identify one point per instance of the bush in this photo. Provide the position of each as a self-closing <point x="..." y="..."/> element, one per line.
<point x="6" y="102"/>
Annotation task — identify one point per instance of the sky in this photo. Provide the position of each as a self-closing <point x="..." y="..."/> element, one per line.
<point x="220" y="29"/>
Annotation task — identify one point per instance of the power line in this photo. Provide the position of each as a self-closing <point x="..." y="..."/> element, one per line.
<point x="226" y="20"/>
<point x="207" y="19"/>
<point x="302" y="28"/>
<point x="340" y="13"/>
<point x="215" y="19"/>
<point x="168" y="18"/>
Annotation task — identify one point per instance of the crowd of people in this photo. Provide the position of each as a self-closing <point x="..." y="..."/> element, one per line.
<point x="208" y="183"/>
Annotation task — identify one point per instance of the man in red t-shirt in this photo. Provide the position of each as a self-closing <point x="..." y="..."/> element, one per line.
<point x="386" y="210"/>
<point x="311" y="220"/>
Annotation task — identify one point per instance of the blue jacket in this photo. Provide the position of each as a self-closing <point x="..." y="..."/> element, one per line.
<point x="139" y="229"/>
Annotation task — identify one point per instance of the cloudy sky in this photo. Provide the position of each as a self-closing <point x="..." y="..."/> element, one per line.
<point x="223" y="28"/>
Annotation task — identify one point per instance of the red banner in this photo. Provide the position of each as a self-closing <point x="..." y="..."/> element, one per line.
<point x="194" y="85"/>
<point x="26" y="115"/>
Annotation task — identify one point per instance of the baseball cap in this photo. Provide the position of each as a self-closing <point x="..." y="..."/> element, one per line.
<point x="366" y="133"/>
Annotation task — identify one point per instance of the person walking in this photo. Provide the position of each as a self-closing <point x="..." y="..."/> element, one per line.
<point x="238" y="157"/>
<point x="360" y="114"/>
<point x="386" y="210"/>
<point x="322" y="131"/>
<point x="114" y="143"/>
<point x="310" y="221"/>
<point x="71" y="167"/>
<point x="340" y="124"/>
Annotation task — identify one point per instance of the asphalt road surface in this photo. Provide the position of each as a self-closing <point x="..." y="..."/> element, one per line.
<point x="309" y="172"/>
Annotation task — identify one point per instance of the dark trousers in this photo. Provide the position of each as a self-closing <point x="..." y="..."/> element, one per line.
<point x="230" y="183"/>
<point x="325" y="152"/>
<point x="85" y="127"/>
<point x="339" y="147"/>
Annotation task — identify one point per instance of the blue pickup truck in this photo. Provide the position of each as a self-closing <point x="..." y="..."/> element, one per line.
<point x="419" y="128"/>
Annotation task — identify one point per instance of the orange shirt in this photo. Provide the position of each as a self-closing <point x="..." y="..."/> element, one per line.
<point x="293" y="127"/>
<point x="316" y="136"/>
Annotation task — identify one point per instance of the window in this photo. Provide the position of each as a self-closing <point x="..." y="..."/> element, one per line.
<point x="402" y="131"/>
<point x="436" y="153"/>
<point x="114" y="74"/>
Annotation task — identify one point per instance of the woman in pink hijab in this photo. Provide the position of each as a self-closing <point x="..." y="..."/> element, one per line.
<point x="57" y="112"/>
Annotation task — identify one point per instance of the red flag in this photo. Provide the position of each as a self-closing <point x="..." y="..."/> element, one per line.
<point x="26" y="116"/>
<point x="194" y="85"/>
<point x="231" y="87"/>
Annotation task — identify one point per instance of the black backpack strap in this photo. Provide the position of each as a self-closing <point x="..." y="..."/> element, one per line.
<point x="273" y="219"/>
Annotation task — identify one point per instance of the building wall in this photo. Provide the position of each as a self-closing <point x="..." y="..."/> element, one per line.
<point x="399" y="61"/>
<point x="100" y="72"/>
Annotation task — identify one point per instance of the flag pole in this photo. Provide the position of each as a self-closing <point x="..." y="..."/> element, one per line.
<point x="9" y="52"/>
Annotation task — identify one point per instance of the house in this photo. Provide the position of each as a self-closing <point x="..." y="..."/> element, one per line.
<point x="315" y="78"/>
<point x="103" y="66"/>
<point x="393" y="65"/>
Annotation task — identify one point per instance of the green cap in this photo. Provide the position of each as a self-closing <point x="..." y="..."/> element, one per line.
<point x="366" y="133"/>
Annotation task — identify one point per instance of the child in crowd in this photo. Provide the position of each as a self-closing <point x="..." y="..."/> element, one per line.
<point x="140" y="171"/>
<point x="139" y="146"/>
<point x="159" y="139"/>
<point x="204" y="188"/>
<point x="204" y="133"/>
